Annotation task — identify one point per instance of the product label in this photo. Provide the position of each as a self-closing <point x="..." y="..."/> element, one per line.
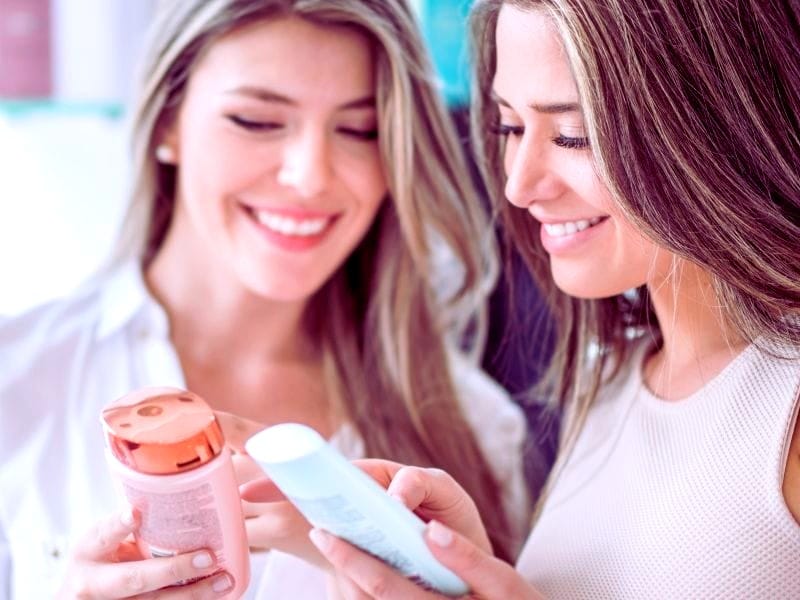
<point x="334" y="514"/>
<point x="177" y="522"/>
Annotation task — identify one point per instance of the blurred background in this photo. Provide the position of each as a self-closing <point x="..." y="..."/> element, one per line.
<point x="67" y="69"/>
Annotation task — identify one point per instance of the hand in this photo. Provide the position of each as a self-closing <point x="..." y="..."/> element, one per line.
<point x="431" y="493"/>
<point x="272" y="522"/>
<point x="361" y="576"/>
<point x="107" y="564"/>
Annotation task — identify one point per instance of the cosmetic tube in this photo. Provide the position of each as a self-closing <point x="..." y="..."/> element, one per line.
<point x="166" y="448"/>
<point x="337" y="496"/>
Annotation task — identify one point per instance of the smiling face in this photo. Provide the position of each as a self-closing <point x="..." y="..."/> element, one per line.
<point x="279" y="172"/>
<point x="594" y="252"/>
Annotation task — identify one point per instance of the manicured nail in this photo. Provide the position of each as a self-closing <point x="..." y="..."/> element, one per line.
<point x="321" y="539"/>
<point x="127" y="518"/>
<point x="439" y="534"/>
<point x="437" y="472"/>
<point x="222" y="583"/>
<point x="202" y="560"/>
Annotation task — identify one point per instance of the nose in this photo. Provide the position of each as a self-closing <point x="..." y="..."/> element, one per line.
<point x="529" y="176"/>
<point x="306" y="163"/>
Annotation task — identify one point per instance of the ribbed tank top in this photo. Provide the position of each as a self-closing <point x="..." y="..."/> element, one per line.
<point x="676" y="499"/>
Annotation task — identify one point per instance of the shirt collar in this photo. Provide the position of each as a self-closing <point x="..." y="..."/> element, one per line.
<point x="124" y="297"/>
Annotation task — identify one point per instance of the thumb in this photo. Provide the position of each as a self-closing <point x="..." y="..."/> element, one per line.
<point x="105" y="537"/>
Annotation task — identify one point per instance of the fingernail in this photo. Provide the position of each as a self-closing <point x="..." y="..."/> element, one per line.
<point x="222" y="583"/>
<point x="202" y="560"/>
<point x="127" y="518"/>
<point x="321" y="539"/>
<point x="439" y="534"/>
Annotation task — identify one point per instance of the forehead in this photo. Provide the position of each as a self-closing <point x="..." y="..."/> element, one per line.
<point x="295" y="54"/>
<point x="532" y="65"/>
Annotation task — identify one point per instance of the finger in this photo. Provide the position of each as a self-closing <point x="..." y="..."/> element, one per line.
<point x="211" y="587"/>
<point x="488" y="577"/>
<point x="286" y="531"/>
<point x="432" y="490"/>
<point x="435" y="495"/>
<point x="102" y="540"/>
<point x="275" y="523"/>
<point x="373" y="577"/>
<point x="262" y="489"/>
<point x="382" y="471"/>
<point x="348" y="590"/>
<point x="123" y="580"/>
<point x="237" y="430"/>
<point x="245" y="468"/>
<point x="128" y="551"/>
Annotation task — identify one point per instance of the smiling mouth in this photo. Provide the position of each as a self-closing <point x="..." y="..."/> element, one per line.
<point x="570" y="227"/>
<point x="290" y="226"/>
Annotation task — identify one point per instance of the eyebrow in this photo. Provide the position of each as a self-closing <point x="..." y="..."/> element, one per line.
<point x="267" y="95"/>
<point x="548" y="109"/>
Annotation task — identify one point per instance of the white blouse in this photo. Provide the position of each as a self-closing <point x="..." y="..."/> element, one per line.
<point x="61" y="363"/>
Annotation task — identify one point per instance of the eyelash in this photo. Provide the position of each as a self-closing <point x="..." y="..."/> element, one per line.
<point x="367" y="135"/>
<point x="562" y="141"/>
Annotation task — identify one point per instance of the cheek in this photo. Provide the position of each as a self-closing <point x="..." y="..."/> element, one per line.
<point x="507" y="151"/>
<point x="367" y="182"/>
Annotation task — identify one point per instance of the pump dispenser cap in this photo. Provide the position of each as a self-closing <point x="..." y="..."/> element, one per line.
<point x="161" y="431"/>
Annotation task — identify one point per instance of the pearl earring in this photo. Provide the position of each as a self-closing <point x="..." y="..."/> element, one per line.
<point x="165" y="154"/>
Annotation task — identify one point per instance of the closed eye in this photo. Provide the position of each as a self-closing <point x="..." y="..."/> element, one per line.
<point x="507" y="130"/>
<point x="251" y="125"/>
<point x="365" y="135"/>
<point x="572" y="143"/>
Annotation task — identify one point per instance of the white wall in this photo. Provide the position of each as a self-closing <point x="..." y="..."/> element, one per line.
<point x="63" y="167"/>
<point x="95" y="47"/>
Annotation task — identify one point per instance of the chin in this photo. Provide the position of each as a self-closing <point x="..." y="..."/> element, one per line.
<point x="587" y="286"/>
<point x="287" y="291"/>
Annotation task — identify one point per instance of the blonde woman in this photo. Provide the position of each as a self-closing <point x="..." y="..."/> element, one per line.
<point x="302" y="245"/>
<point x="650" y="151"/>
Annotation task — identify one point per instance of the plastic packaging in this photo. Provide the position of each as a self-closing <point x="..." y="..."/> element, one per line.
<point x="338" y="497"/>
<point x="167" y="450"/>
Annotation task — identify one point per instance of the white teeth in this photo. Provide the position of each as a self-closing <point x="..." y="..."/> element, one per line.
<point x="291" y="226"/>
<point x="570" y="227"/>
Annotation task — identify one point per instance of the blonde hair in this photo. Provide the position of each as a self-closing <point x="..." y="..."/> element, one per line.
<point x="693" y="117"/>
<point x="380" y="321"/>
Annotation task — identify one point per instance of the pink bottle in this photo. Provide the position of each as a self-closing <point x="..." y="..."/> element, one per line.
<point x="167" y="449"/>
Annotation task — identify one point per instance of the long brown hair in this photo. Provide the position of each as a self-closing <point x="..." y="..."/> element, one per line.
<point x="384" y="328"/>
<point x="693" y="116"/>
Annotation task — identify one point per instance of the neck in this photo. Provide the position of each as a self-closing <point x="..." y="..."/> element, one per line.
<point x="215" y="320"/>
<point x="698" y="343"/>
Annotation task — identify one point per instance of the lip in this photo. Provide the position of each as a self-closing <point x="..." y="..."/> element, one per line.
<point x="290" y="243"/>
<point x="565" y="244"/>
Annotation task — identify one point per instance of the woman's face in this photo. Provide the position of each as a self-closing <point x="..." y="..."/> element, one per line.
<point x="594" y="252"/>
<point x="279" y="173"/>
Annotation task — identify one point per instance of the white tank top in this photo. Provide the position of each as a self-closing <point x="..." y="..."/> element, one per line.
<point x="676" y="499"/>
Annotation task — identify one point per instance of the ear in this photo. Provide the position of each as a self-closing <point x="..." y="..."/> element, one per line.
<point x="167" y="149"/>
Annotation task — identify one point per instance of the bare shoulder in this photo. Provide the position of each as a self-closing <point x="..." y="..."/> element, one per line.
<point x="791" y="477"/>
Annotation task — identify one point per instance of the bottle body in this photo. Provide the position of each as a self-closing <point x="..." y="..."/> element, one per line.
<point x="188" y="511"/>
<point x="166" y="449"/>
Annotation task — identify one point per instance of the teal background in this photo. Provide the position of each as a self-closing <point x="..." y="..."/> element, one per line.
<point x="444" y="26"/>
